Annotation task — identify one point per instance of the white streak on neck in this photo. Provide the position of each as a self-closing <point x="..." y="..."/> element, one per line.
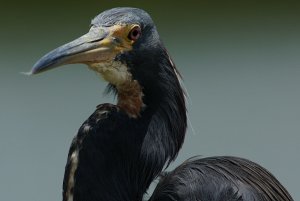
<point x="71" y="182"/>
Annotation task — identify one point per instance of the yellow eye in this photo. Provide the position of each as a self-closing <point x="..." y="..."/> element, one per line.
<point x="135" y="33"/>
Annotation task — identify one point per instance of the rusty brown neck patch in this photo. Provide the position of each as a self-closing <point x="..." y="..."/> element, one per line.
<point x="130" y="98"/>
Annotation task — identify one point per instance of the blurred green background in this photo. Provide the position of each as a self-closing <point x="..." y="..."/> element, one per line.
<point x="241" y="66"/>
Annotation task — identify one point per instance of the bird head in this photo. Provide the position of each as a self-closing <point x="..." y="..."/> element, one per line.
<point x="108" y="48"/>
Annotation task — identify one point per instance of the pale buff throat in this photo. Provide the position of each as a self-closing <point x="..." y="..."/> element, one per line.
<point x="130" y="94"/>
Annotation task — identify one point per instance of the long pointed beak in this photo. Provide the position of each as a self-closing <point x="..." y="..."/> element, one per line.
<point x="91" y="47"/>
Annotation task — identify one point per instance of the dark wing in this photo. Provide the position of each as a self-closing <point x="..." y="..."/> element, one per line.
<point x="104" y="161"/>
<point x="82" y="160"/>
<point x="220" y="179"/>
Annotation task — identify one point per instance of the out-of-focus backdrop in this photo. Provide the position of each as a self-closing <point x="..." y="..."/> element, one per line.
<point x="241" y="66"/>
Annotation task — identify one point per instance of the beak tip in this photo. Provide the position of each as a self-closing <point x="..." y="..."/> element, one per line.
<point x="27" y="73"/>
<point x="33" y="71"/>
<point x="42" y="65"/>
<point x="37" y="68"/>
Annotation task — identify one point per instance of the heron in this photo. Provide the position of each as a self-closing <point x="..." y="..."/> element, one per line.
<point x="121" y="148"/>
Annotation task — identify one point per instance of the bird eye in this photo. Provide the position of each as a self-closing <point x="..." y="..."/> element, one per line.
<point x="135" y="33"/>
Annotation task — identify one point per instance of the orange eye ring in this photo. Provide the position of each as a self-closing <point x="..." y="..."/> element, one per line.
<point x="135" y="33"/>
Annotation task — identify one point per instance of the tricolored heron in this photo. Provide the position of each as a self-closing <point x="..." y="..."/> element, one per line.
<point x="120" y="149"/>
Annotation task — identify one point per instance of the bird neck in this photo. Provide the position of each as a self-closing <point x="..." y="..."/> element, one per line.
<point x="130" y="98"/>
<point x="163" y="114"/>
<point x="116" y="157"/>
<point x="128" y="90"/>
<point x="167" y="128"/>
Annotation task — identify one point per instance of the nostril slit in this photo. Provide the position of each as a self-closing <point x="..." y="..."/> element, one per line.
<point x="96" y="40"/>
<point x="116" y="40"/>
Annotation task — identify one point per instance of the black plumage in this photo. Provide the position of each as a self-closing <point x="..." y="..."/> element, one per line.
<point x="120" y="149"/>
<point x="221" y="178"/>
